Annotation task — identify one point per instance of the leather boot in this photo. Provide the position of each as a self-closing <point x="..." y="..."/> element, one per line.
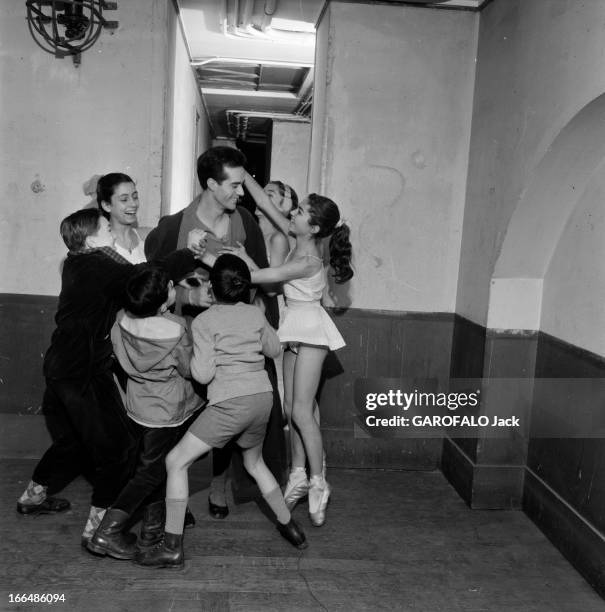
<point x="109" y="538"/>
<point x="167" y="553"/>
<point x="152" y="526"/>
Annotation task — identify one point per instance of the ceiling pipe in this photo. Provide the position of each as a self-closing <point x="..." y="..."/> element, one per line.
<point x="269" y="11"/>
<point x="245" y="60"/>
<point x="239" y="17"/>
<point x="230" y="22"/>
<point x="245" y="14"/>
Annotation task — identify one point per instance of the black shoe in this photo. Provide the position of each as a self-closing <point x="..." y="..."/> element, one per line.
<point x="217" y="512"/>
<point x="190" y="519"/>
<point x="152" y="524"/>
<point x="293" y="533"/>
<point x="167" y="553"/>
<point x="51" y="505"/>
<point x="110" y="539"/>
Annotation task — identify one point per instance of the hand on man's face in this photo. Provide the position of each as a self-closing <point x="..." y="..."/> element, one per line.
<point x="201" y="296"/>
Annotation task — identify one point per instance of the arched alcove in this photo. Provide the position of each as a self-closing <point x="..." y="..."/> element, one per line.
<point x="545" y="205"/>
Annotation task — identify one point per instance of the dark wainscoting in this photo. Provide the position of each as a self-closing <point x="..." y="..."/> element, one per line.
<point x="382" y="344"/>
<point x="26" y="324"/>
<point x="379" y="344"/>
<point x="468" y="348"/>
<point x="488" y="472"/>
<point x="565" y="483"/>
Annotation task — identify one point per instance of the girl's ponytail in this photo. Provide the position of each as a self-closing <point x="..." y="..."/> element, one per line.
<point x="340" y="253"/>
<point x="325" y="214"/>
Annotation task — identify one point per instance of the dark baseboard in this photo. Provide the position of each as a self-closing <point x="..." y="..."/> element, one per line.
<point x="580" y="542"/>
<point x="482" y="487"/>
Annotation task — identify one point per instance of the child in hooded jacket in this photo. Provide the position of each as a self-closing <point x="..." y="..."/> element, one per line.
<point x="154" y="349"/>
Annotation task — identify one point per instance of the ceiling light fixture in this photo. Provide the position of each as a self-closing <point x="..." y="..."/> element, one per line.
<point x="68" y="27"/>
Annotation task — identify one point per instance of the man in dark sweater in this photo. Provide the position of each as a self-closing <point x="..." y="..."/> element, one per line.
<point x="220" y="172"/>
<point x="82" y="405"/>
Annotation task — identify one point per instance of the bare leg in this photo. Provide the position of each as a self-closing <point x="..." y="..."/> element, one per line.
<point x="177" y="484"/>
<point x="297" y="449"/>
<point x="307" y="373"/>
<point x="255" y="466"/>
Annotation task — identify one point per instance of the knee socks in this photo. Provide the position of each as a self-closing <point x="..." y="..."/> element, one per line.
<point x="34" y="494"/>
<point x="276" y="502"/>
<point x="175" y="515"/>
<point x="95" y="516"/>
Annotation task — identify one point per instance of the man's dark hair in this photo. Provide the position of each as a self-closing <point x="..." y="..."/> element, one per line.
<point x="212" y="163"/>
<point x="78" y="226"/>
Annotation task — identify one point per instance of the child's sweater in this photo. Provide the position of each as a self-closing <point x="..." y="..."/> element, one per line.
<point x="229" y="341"/>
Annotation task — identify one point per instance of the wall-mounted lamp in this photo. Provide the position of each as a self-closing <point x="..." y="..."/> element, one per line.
<point x="68" y="27"/>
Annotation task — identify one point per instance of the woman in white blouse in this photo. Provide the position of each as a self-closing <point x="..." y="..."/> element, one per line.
<point x="118" y="200"/>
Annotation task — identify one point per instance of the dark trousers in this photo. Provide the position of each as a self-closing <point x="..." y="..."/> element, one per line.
<point x="148" y="483"/>
<point x="91" y="434"/>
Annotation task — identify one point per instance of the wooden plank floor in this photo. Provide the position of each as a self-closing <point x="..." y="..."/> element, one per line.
<point x="393" y="541"/>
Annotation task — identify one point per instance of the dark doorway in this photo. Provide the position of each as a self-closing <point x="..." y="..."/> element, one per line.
<point x="257" y="153"/>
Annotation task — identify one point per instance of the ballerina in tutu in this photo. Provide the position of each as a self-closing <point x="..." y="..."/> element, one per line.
<point x="306" y="329"/>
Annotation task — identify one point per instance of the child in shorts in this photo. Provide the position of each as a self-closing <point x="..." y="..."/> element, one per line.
<point x="230" y="340"/>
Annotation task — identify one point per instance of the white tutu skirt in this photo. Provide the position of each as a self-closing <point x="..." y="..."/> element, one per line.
<point x="309" y="323"/>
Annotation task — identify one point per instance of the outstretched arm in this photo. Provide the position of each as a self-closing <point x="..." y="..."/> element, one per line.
<point x="301" y="267"/>
<point x="264" y="203"/>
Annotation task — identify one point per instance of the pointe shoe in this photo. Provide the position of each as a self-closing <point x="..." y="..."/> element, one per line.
<point x="319" y="494"/>
<point x="293" y="533"/>
<point x="296" y="489"/>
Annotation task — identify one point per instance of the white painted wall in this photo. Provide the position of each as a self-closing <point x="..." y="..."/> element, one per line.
<point x="184" y="140"/>
<point x="573" y="303"/>
<point x="60" y="125"/>
<point x="290" y="142"/>
<point x="394" y="146"/>
<point x="539" y="65"/>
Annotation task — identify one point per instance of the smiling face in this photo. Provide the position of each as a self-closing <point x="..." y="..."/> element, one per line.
<point x="228" y="191"/>
<point x="282" y="202"/>
<point x="300" y="223"/>
<point x="124" y="204"/>
<point x="102" y="237"/>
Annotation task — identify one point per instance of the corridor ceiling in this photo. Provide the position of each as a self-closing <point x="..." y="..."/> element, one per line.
<point x="253" y="59"/>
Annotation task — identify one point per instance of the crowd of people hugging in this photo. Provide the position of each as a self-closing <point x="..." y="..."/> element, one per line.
<point x="164" y="350"/>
